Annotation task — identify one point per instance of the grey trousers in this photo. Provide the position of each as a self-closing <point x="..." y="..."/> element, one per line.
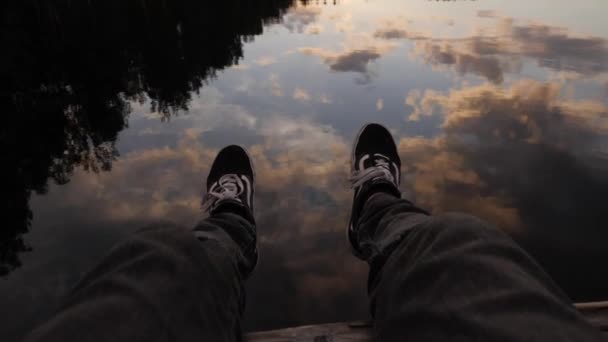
<point x="449" y="277"/>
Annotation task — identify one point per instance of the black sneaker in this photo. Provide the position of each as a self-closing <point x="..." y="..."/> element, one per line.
<point x="376" y="166"/>
<point x="230" y="180"/>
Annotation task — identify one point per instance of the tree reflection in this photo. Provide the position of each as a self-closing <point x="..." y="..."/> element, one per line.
<point x="71" y="68"/>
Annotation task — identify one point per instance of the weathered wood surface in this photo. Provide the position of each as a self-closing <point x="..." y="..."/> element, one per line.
<point x="596" y="313"/>
<point x="335" y="332"/>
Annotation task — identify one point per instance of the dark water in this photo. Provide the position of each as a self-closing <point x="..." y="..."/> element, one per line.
<point x="113" y="111"/>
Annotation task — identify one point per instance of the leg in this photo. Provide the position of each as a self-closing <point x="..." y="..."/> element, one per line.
<point x="161" y="284"/>
<point x="171" y="284"/>
<point x="453" y="277"/>
<point x="450" y="277"/>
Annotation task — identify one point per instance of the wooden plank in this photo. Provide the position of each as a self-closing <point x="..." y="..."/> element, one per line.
<point x="596" y="313"/>
<point x="335" y="332"/>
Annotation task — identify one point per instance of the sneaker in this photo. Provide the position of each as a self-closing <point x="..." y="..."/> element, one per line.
<point x="376" y="166"/>
<point x="230" y="180"/>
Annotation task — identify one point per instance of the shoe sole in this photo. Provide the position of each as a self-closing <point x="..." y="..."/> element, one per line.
<point x="254" y="177"/>
<point x="257" y="250"/>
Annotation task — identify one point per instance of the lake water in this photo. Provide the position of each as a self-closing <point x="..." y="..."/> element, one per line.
<point x="114" y="111"/>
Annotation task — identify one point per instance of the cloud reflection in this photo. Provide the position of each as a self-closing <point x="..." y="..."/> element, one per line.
<point x="524" y="158"/>
<point x="492" y="52"/>
<point x="356" y="59"/>
<point x="527" y="157"/>
<point x="301" y="18"/>
<point x="300" y="94"/>
<point x="528" y="160"/>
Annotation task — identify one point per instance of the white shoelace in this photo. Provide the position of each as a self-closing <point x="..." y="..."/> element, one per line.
<point x="230" y="187"/>
<point x="381" y="170"/>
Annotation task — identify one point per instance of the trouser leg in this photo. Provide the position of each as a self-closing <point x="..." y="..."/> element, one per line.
<point x="454" y="278"/>
<point x="163" y="284"/>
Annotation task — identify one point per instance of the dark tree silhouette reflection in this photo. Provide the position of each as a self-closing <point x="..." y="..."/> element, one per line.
<point x="69" y="70"/>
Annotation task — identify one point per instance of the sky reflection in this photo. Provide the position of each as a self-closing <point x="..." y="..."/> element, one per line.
<point x="500" y="110"/>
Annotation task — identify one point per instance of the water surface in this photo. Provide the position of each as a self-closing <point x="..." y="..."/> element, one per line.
<point x="114" y="111"/>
